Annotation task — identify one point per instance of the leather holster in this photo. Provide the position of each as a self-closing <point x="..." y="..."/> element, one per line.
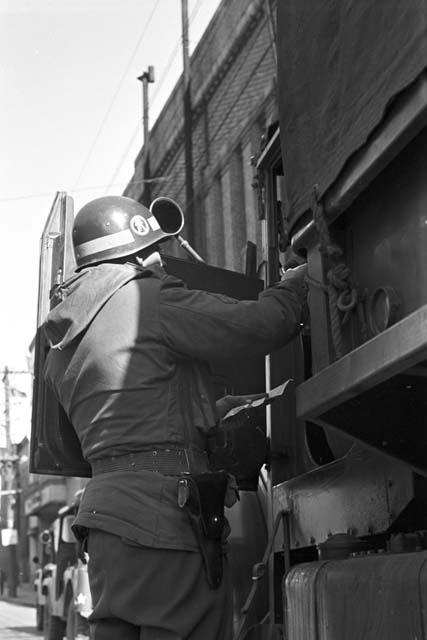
<point x="202" y="496"/>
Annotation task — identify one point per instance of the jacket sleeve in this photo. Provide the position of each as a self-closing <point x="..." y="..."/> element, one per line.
<point x="207" y="326"/>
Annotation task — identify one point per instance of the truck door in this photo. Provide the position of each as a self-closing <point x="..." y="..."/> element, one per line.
<point x="51" y="432"/>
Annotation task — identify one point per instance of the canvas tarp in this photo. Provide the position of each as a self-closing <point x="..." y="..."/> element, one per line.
<point x="340" y="63"/>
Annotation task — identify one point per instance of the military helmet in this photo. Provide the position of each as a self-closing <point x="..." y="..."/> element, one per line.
<point x="116" y="226"/>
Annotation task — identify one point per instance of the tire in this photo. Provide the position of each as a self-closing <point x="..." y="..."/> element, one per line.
<point x="45" y="621"/>
<point x="77" y="625"/>
<point x="55" y="628"/>
<point x="39" y="617"/>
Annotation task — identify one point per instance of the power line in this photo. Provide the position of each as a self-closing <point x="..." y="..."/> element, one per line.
<point x="155" y="93"/>
<point x="88" y="188"/>
<point x="13" y="371"/>
<point x="173" y="54"/>
<point x="113" y="99"/>
<point x="128" y="146"/>
<point x="123" y="158"/>
<point x="28" y="196"/>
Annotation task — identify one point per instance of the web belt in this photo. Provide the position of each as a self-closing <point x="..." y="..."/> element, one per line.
<point x="165" y="461"/>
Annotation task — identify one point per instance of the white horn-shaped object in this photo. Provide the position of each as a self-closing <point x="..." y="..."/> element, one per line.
<point x="171" y="220"/>
<point x="168" y="214"/>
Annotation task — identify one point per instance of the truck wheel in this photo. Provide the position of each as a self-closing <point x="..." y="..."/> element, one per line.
<point x="55" y="628"/>
<point x="39" y="617"/>
<point x="45" y="621"/>
<point x="77" y="625"/>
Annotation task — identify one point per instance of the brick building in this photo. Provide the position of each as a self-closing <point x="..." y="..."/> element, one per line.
<point x="233" y="101"/>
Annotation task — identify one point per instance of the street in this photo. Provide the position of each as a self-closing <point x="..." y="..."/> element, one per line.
<point x="18" y="622"/>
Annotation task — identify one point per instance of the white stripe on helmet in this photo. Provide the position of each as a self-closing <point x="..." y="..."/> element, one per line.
<point x="103" y="243"/>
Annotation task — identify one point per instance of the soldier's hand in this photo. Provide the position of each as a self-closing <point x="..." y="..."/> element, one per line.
<point x="296" y="273"/>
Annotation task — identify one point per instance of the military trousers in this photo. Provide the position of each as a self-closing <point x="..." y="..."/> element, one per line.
<point x="143" y="593"/>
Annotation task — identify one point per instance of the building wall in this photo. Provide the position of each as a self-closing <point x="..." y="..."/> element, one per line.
<point x="233" y="86"/>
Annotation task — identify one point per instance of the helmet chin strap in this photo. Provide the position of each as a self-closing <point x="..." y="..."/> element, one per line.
<point x="149" y="261"/>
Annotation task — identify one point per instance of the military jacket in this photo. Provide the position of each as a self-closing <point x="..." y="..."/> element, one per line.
<point x="131" y="361"/>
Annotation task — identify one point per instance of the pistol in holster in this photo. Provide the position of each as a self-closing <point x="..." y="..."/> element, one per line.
<point x="202" y="496"/>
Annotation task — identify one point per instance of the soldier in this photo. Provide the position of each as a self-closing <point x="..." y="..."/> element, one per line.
<point x="130" y="363"/>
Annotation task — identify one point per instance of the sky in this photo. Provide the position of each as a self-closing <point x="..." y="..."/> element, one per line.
<point x="71" y="120"/>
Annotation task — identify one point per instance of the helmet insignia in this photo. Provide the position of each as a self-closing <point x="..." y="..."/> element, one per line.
<point x="139" y="225"/>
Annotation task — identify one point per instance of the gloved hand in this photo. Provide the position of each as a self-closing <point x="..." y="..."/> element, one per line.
<point x="296" y="279"/>
<point x="296" y="273"/>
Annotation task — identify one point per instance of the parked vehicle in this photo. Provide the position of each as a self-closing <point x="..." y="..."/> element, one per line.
<point x="40" y="599"/>
<point x="65" y="585"/>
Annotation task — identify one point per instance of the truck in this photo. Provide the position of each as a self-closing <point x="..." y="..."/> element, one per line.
<point x="333" y="543"/>
<point x="346" y="162"/>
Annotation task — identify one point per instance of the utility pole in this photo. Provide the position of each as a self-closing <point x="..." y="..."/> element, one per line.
<point x="188" y="138"/>
<point x="9" y="462"/>
<point x="146" y="78"/>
